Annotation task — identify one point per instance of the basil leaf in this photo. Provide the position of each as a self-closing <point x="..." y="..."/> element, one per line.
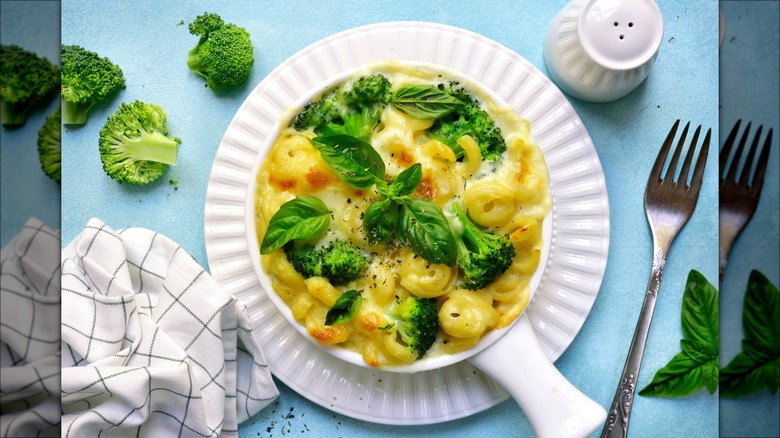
<point x="745" y="376"/>
<point x="710" y="375"/>
<point x="758" y="365"/>
<point x="761" y="313"/>
<point x="304" y="217"/>
<point x="423" y="227"/>
<point x="408" y="180"/>
<point x="696" y="366"/>
<point x="404" y="184"/>
<point x="345" y="308"/>
<point x="700" y="310"/>
<point x="379" y="220"/>
<point x="681" y="376"/>
<point x="424" y="102"/>
<point x="697" y="351"/>
<point x="354" y="160"/>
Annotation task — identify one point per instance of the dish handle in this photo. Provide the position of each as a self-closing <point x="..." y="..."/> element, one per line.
<point x="552" y="404"/>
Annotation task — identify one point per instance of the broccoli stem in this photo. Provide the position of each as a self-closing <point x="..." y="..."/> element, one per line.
<point x="74" y="113"/>
<point x="152" y="147"/>
<point x="194" y="61"/>
<point x="468" y="231"/>
<point x="12" y="114"/>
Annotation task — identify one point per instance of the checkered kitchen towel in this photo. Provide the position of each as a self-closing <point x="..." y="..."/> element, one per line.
<point x="151" y="343"/>
<point x="30" y="333"/>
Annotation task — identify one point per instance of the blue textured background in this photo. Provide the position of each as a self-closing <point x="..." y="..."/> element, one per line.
<point x="26" y="190"/>
<point x="750" y="90"/>
<point x="144" y="39"/>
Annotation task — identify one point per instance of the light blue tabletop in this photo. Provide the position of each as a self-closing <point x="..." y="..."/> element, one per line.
<point x="144" y="38"/>
<point x="27" y="191"/>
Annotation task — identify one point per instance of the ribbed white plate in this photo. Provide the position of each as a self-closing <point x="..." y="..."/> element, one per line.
<point x="578" y="252"/>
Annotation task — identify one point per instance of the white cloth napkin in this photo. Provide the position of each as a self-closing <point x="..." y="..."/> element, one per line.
<point x="30" y="333"/>
<point x="151" y="343"/>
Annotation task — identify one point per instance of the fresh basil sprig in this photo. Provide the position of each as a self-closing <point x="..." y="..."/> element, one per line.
<point x="758" y="364"/>
<point x="355" y="161"/>
<point x="404" y="184"/>
<point x="424" y="102"/>
<point x="418" y="223"/>
<point x="304" y="217"/>
<point x="345" y="308"/>
<point x="423" y="227"/>
<point x="696" y="366"/>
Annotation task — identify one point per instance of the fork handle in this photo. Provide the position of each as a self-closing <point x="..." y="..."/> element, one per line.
<point x="620" y="410"/>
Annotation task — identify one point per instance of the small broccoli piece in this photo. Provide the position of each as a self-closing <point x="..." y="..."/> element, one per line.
<point x="27" y="81"/>
<point x="355" y="111"/>
<point x="50" y="145"/>
<point x="314" y="114"/>
<point x="358" y="124"/>
<point x="87" y="79"/>
<point x="482" y="256"/>
<point x="367" y="91"/>
<point x="340" y="262"/>
<point x="417" y="322"/>
<point x="469" y="119"/>
<point x="134" y="143"/>
<point x="224" y="54"/>
<point x="306" y="260"/>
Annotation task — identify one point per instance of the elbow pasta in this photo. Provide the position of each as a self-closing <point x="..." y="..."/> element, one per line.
<point x="510" y="197"/>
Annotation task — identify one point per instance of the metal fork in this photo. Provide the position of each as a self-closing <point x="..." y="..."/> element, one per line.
<point x="738" y="195"/>
<point x="669" y="203"/>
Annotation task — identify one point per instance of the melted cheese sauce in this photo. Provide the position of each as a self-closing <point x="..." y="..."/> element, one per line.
<point x="509" y="196"/>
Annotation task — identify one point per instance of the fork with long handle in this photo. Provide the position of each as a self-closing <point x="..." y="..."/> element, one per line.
<point x="669" y="203"/>
<point x="738" y="194"/>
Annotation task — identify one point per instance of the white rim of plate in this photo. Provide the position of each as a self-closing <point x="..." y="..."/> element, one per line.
<point x="578" y="251"/>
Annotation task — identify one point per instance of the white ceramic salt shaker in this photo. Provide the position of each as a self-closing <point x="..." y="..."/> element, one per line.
<point x="601" y="50"/>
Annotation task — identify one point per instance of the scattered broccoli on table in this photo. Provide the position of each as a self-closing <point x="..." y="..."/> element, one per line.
<point x="355" y="111"/>
<point x="416" y="321"/>
<point x="224" y="54"/>
<point x="469" y="119"/>
<point x="134" y="144"/>
<point x="87" y="79"/>
<point x="26" y="82"/>
<point x="50" y="145"/>
<point x="340" y="262"/>
<point x="482" y="256"/>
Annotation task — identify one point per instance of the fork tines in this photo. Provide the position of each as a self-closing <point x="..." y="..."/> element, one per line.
<point x="698" y="171"/>
<point x="744" y="180"/>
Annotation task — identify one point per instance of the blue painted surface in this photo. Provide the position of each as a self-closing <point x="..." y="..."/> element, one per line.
<point x="750" y="90"/>
<point x="26" y="190"/>
<point x="144" y="38"/>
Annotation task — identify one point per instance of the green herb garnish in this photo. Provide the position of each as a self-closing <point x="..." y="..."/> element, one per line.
<point x="696" y="366"/>
<point x="304" y="217"/>
<point x="424" y="102"/>
<point x="345" y="308"/>
<point x="758" y="364"/>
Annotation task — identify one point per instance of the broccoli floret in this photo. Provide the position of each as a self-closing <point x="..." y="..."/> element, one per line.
<point x="340" y="262"/>
<point x="27" y="81"/>
<point x="417" y="322"/>
<point x="87" y="79"/>
<point x="354" y="112"/>
<point x="314" y="114"/>
<point x="482" y="256"/>
<point x="224" y="54"/>
<point x="469" y="119"/>
<point x="306" y="260"/>
<point x="50" y="145"/>
<point x="134" y="143"/>
<point x="367" y="91"/>
<point x="358" y="124"/>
